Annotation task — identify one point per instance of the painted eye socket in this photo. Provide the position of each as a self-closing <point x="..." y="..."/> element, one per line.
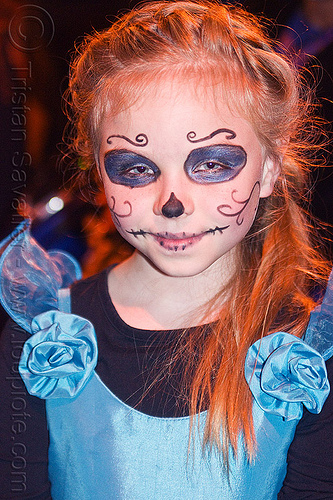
<point x="130" y="169"/>
<point x="217" y="163"/>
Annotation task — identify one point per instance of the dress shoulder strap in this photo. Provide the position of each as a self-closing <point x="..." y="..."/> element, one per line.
<point x="64" y="300"/>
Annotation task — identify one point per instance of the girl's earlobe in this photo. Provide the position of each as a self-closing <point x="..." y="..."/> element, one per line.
<point x="270" y="173"/>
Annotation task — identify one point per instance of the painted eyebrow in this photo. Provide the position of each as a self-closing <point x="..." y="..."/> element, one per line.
<point x="191" y="136"/>
<point x="140" y="140"/>
<point x="231" y="156"/>
<point x="118" y="161"/>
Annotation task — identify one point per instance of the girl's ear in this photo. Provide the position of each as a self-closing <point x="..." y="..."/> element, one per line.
<point x="270" y="173"/>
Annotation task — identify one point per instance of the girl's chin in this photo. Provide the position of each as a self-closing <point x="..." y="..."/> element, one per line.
<point x="177" y="264"/>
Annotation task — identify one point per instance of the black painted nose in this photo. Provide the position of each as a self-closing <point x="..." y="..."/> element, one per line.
<point x="173" y="207"/>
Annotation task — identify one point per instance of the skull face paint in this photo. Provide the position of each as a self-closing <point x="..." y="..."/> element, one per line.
<point x="183" y="208"/>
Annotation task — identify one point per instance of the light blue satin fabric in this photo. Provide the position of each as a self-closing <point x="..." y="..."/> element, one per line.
<point x="60" y="356"/>
<point x="284" y="373"/>
<point x="120" y="453"/>
<point x="101" y="448"/>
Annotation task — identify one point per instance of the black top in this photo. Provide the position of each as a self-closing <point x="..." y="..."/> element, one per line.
<point x="129" y="361"/>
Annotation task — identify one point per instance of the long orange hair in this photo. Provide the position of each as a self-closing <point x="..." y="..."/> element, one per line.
<point x="278" y="263"/>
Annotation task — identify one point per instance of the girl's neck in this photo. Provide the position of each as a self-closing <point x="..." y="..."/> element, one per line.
<point x="146" y="298"/>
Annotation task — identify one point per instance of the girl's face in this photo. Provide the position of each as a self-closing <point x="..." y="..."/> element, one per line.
<point x="183" y="179"/>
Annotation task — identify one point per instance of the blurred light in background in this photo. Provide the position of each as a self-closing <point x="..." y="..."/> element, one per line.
<point x="54" y="205"/>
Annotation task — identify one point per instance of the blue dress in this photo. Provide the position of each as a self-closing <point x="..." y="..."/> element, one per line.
<point x="101" y="448"/>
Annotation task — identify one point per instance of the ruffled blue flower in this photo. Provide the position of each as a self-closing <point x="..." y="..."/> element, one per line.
<point x="284" y="373"/>
<point x="60" y="356"/>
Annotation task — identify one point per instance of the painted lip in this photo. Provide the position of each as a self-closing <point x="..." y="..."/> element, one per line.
<point x="177" y="241"/>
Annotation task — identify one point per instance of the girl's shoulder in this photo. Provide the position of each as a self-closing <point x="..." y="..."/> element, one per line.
<point x="90" y="298"/>
<point x="86" y="287"/>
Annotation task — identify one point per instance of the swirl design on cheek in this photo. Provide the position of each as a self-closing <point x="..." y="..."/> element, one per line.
<point x="238" y="215"/>
<point x="191" y="136"/>
<point x="115" y="215"/>
<point x="140" y="140"/>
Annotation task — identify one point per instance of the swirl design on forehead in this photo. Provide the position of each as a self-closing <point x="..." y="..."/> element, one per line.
<point x="191" y="136"/>
<point x="141" y="140"/>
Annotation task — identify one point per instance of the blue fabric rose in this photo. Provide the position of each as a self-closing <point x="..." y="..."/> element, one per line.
<point x="60" y="356"/>
<point x="284" y="373"/>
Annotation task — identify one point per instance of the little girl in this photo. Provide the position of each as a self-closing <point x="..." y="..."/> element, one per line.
<point x="210" y="377"/>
